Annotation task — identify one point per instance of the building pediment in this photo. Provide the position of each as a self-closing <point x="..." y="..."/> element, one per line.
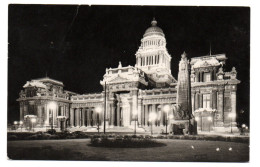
<point x="119" y="79"/>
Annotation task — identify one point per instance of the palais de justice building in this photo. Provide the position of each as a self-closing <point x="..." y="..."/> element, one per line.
<point x="204" y="93"/>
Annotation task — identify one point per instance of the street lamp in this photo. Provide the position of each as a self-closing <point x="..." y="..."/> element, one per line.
<point x="21" y="124"/>
<point x="197" y="119"/>
<point x="209" y="119"/>
<point x="15" y="123"/>
<point x="166" y="109"/>
<point x="231" y="116"/>
<point x="33" y="121"/>
<point x="152" y="117"/>
<point x="52" y="106"/>
<point x="98" y="110"/>
<point x="135" y="117"/>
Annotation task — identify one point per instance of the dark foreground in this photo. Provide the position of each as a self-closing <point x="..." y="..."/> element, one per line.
<point x="175" y="150"/>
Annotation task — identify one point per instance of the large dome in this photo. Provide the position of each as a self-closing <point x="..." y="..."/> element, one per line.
<point x="154" y="30"/>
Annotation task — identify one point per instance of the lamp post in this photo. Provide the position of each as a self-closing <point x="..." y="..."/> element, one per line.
<point x="98" y="110"/>
<point x="243" y="129"/>
<point x="152" y="117"/>
<point x="197" y="120"/>
<point x="15" y="123"/>
<point x="21" y="124"/>
<point x="231" y="116"/>
<point x="166" y="109"/>
<point x="209" y="119"/>
<point x="171" y="117"/>
<point x="33" y="121"/>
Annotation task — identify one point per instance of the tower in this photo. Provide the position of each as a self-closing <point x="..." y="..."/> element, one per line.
<point x="183" y="118"/>
<point x="153" y="58"/>
<point x="184" y="86"/>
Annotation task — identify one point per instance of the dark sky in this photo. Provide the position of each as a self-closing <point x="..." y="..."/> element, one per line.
<point x="75" y="44"/>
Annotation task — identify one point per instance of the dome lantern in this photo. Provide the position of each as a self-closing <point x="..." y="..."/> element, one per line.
<point x="154" y="29"/>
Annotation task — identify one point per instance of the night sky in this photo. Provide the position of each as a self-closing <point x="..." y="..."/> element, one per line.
<point x="75" y="44"/>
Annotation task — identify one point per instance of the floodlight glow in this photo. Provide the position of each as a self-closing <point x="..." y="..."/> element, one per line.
<point x="152" y="116"/>
<point x="134" y="112"/>
<point x="197" y="118"/>
<point x="166" y="108"/>
<point x="171" y="116"/>
<point x="52" y="105"/>
<point x="232" y="115"/>
<point x="209" y="118"/>
<point x="33" y="120"/>
<point x="98" y="109"/>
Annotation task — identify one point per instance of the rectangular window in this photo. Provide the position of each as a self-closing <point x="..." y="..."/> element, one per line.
<point x="206" y="77"/>
<point x="206" y="101"/>
<point x="59" y="110"/>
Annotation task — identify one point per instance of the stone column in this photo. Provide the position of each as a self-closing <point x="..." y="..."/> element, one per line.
<point x="146" y="115"/>
<point x="134" y="104"/>
<point x="233" y="102"/>
<point x="118" y="114"/>
<point x="214" y="99"/>
<point x="142" y="115"/>
<point x="71" y="117"/>
<point x="196" y="100"/>
<point x="221" y="105"/>
<point x="112" y="114"/>
<point x="139" y="111"/>
<point x="193" y="101"/>
<point x="154" y="111"/>
<point x="55" y="113"/>
<point x="76" y="117"/>
<point x="21" y="113"/>
<point x="39" y="114"/>
<point x="46" y="115"/>
<point x="83" y="117"/>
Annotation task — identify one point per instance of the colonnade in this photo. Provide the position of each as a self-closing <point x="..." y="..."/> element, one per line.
<point x="161" y="115"/>
<point x="84" y="117"/>
<point x="151" y="42"/>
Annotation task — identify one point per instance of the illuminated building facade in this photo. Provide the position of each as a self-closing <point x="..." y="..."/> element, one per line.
<point x="130" y="94"/>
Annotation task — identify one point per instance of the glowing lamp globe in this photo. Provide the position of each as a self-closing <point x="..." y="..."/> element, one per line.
<point x="52" y="105"/>
<point x="166" y="108"/>
<point x="209" y="118"/>
<point x="232" y="115"/>
<point x="98" y="109"/>
<point x="152" y="116"/>
<point x="134" y="112"/>
<point x="171" y="116"/>
<point x="21" y="122"/>
<point x="197" y="118"/>
<point x="15" y="122"/>
<point x="33" y="120"/>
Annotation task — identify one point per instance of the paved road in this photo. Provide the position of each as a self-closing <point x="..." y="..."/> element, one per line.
<point x="176" y="150"/>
